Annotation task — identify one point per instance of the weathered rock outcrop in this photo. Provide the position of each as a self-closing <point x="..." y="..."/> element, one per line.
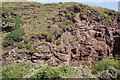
<point x="79" y="43"/>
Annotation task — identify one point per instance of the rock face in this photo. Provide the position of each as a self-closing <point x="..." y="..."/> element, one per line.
<point x="77" y="45"/>
<point x="70" y="51"/>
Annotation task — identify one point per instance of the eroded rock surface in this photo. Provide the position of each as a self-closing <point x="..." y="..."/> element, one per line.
<point x="77" y="45"/>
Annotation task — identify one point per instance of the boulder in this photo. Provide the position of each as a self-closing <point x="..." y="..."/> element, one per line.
<point x="63" y="57"/>
<point x="43" y="49"/>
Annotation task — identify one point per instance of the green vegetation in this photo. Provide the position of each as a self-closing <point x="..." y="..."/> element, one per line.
<point x="49" y="38"/>
<point x="83" y="16"/>
<point x="68" y="22"/>
<point x="18" y="22"/>
<point x="60" y="2"/>
<point x="86" y="40"/>
<point x="90" y="21"/>
<point x="20" y="45"/>
<point x="48" y="72"/>
<point x="47" y="16"/>
<point x="65" y="42"/>
<point x="26" y="40"/>
<point x="16" y="70"/>
<point x="32" y="50"/>
<point x="105" y="64"/>
<point x="8" y="20"/>
<point x="75" y="25"/>
<point x="46" y="44"/>
<point x="89" y="24"/>
<point x="58" y="42"/>
<point x="6" y="10"/>
<point x="28" y="46"/>
<point x="13" y="15"/>
<point x="73" y="14"/>
<point x="77" y="39"/>
<point x="68" y="9"/>
<point x="39" y="44"/>
<point x="15" y="35"/>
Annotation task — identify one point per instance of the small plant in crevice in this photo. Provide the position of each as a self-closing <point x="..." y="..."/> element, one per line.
<point x="106" y="26"/>
<point x="90" y="21"/>
<point x="32" y="50"/>
<point x="26" y="40"/>
<point x="76" y="39"/>
<point x="73" y="14"/>
<point x="68" y="22"/>
<point x="89" y="24"/>
<point x="83" y="16"/>
<point x="49" y="38"/>
<point x="58" y="42"/>
<point x="65" y="42"/>
<point x="86" y="41"/>
<point x="28" y="46"/>
<point x="75" y="25"/>
<point x="39" y="44"/>
<point x="20" y="45"/>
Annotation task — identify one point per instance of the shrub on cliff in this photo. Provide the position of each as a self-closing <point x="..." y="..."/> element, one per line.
<point x="49" y="38"/>
<point x="28" y="46"/>
<point x="32" y="50"/>
<point x="15" y="35"/>
<point x="18" y="22"/>
<point x="20" y="45"/>
<point x="83" y="16"/>
<point x="26" y="40"/>
<point x="58" y="43"/>
<point x="16" y="70"/>
<point x="105" y="64"/>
